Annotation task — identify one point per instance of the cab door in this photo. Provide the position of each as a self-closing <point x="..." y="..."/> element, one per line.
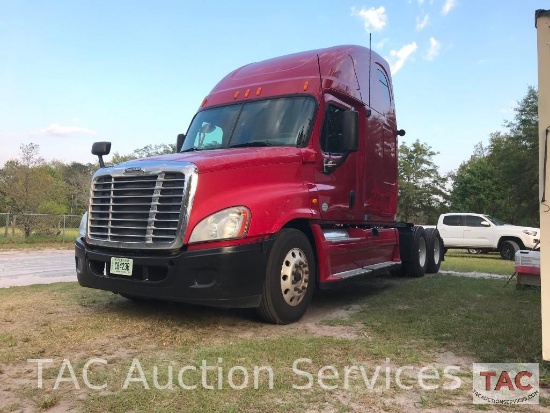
<point x="477" y="232"/>
<point x="339" y="199"/>
<point x="452" y="230"/>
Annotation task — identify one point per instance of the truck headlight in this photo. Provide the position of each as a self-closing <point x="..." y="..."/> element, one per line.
<point x="531" y="232"/>
<point x="83" y="225"/>
<point x="226" y="224"/>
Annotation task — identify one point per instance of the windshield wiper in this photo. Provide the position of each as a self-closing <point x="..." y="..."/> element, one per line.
<point x="251" y="144"/>
<point x="192" y="149"/>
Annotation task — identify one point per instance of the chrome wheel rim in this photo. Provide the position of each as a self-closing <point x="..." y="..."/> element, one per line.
<point x="294" y="276"/>
<point x="437" y="251"/>
<point x="422" y="254"/>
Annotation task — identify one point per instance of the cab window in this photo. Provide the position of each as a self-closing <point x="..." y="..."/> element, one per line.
<point x="333" y="130"/>
<point x="385" y="85"/>
<point x="453" y="220"/>
<point x="473" y="221"/>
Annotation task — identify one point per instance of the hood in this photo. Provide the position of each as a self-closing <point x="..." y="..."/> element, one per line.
<point x="223" y="159"/>
<point x="519" y="227"/>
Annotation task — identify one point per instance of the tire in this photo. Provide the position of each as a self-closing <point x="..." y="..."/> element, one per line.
<point x="416" y="267"/>
<point x="434" y="248"/>
<point x="478" y="251"/>
<point x="508" y="250"/>
<point x="289" y="280"/>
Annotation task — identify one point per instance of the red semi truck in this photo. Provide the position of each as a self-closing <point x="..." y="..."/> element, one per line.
<point x="285" y="181"/>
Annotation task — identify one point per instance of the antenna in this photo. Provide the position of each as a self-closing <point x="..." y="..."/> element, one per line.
<point x="370" y="62"/>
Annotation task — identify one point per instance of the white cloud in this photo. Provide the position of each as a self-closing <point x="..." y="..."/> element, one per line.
<point x="422" y="23"/>
<point x="420" y="2"/>
<point x="433" y="51"/>
<point x="449" y="4"/>
<point x="398" y="57"/>
<point x="380" y="45"/>
<point x="373" y="19"/>
<point x="58" y="130"/>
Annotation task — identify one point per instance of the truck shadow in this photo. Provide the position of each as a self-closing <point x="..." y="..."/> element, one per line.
<point x="326" y="304"/>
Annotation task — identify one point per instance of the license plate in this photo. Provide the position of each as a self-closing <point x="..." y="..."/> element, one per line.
<point x="121" y="266"/>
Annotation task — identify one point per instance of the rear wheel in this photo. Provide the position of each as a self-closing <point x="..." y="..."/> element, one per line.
<point x="289" y="280"/>
<point x="508" y="250"/>
<point x="416" y="266"/>
<point x="434" y="246"/>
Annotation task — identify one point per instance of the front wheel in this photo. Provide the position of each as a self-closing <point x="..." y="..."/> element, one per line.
<point x="289" y="279"/>
<point x="508" y="250"/>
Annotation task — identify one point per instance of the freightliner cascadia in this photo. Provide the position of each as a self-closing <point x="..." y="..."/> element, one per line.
<point x="286" y="181"/>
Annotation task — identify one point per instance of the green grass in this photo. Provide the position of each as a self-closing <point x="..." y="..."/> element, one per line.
<point x="399" y="321"/>
<point x="475" y="317"/>
<point x="36" y="244"/>
<point x="462" y="261"/>
<point x="19" y="241"/>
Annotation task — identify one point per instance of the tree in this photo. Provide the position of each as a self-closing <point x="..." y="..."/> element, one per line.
<point x="476" y="187"/>
<point x="77" y="177"/>
<point x="145" y="152"/>
<point x="422" y="192"/>
<point x="30" y="186"/>
<point x="154" y="150"/>
<point x="502" y="180"/>
<point x="515" y="156"/>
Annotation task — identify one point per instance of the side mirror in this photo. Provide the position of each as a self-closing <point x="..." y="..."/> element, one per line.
<point x="485" y="224"/>
<point x="179" y="142"/>
<point x="350" y="140"/>
<point x="100" y="149"/>
<point x="350" y="131"/>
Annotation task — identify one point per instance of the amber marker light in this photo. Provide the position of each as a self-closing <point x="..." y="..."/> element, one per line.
<point x="204" y="102"/>
<point x="306" y="85"/>
<point x="258" y="91"/>
<point x="247" y="93"/>
<point x="245" y="219"/>
<point x="314" y="202"/>
<point x="236" y="95"/>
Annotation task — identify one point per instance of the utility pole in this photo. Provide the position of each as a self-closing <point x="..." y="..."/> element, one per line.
<point x="542" y="23"/>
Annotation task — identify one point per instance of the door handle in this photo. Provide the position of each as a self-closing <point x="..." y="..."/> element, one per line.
<point x="351" y="199"/>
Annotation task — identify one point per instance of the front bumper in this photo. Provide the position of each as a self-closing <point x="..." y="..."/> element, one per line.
<point x="531" y="242"/>
<point x="221" y="277"/>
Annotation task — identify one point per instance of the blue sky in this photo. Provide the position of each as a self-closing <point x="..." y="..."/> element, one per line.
<point x="135" y="72"/>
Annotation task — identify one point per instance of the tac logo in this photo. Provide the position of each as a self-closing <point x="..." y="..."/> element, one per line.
<point x="505" y="383"/>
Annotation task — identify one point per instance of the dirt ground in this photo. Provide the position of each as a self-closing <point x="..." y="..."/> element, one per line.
<point x="38" y="317"/>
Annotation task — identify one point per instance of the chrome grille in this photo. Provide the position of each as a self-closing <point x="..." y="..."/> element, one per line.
<point x="136" y="209"/>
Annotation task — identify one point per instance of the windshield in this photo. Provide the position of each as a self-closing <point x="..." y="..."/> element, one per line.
<point x="494" y="220"/>
<point x="273" y="122"/>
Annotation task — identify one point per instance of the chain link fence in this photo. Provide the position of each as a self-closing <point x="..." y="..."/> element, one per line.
<point x="40" y="227"/>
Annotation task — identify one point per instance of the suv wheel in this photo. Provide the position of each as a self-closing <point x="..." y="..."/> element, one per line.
<point x="508" y="250"/>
